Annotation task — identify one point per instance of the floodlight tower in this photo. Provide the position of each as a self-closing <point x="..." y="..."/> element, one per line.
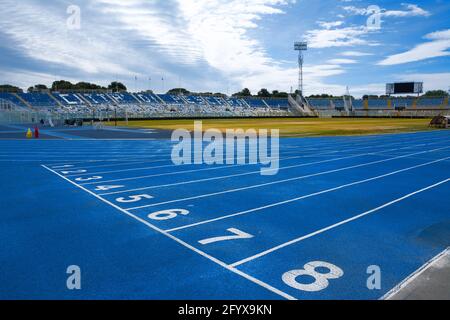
<point x="300" y="46"/>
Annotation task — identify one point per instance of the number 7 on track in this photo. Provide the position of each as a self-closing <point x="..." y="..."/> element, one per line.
<point x="238" y="234"/>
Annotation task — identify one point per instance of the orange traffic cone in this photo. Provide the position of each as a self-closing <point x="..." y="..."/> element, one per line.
<point x="36" y="132"/>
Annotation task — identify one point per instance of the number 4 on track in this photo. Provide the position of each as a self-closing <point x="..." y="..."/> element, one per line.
<point x="238" y="234"/>
<point x="107" y="188"/>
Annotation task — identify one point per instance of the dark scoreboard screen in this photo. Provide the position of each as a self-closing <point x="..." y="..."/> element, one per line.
<point x="407" y="87"/>
<point x="404" y="87"/>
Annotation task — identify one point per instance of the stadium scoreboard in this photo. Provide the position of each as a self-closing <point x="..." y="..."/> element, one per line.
<point x="404" y="87"/>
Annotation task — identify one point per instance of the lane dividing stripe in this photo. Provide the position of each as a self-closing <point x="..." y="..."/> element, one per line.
<point x="181" y="242"/>
<point x="333" y="226"/>
<point x="276" y="204"/>
<point x="282" y="181"/>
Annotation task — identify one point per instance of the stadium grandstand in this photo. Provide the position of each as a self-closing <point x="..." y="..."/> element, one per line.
<point x="23" y="107"/>
<point x="106" y="105"/>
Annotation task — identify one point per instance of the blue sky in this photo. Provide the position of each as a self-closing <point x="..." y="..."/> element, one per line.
<point x="225" y="45"/>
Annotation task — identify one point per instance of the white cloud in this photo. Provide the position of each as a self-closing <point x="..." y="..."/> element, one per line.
<point x="339" y="37"/>
<point x="411" y="10"/>
<point x="144" y="37"/>
<point x="41" y="34"/>
<point x="342" y="61"/>
<point x="329" y="25"/>
<point x="437" y="47"/>
<point x="355" y="54"/>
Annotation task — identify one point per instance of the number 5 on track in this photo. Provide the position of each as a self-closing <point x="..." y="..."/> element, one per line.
<point x="134" y="198"/>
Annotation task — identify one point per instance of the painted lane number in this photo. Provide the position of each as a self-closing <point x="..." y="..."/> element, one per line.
<point x="89" y="179"/>
<point x="136" y="198"/>
<point x="168" y="214"/>
<point x="321" y="280"/>
<point x="74" y="172"/>
<point x="237" y="234"/>
<point x="107" y="188"/>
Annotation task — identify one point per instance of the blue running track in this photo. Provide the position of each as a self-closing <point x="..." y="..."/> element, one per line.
<point x="140" y="227"/>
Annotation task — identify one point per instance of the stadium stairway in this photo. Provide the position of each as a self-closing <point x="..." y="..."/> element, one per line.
<point x="56" y="100"/>
<point x="23" y="101"/>
<point x="299" y="106"/>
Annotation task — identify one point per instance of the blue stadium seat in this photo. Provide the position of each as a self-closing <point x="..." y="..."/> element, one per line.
<point x="215" y="101"/>
<point x="123" y="98"/>
<point x="378" y="104"/>
<point x="97" y="98"/>
<point x="358" y="104"/>
<point x="171" y="99"/>
<point x="38" y="100"/>
<point x="148" y="98"/>
<point x="402" y="103"/>
<point x="11" y="98"/>
<point x="430" y="102"/>
<point x="339" y="103"/>
<point x="197" y="100"/>
<point x="256" y="102"/>
<point x="321" y="104"/>
<point x="277" y="103"/>
<point x="235" y="102"/>
<point x="69" y="99"/>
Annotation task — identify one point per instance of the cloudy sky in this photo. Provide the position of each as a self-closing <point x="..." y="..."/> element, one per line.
<point x="226" y="45"/>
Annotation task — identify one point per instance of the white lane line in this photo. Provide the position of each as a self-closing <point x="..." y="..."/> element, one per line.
<point x="219" y="177"/>
<point x="143" y="162"/>
<point x="173" y="165"/>
<point x="388" y="204"/>
<point x="181" y="242"/>
<point x="334" y="150"/>
<point x="176" y="165"/>
<point x="230" y="176"/>
<point x="216" y="168"/>
<point x="314" y="194"/>
<point x="81" y="161"/>
<point x="282" y="181"/>
<point x="77" y="166"/>
<point x="243" y="174"/>
<point x="389" y="295"/>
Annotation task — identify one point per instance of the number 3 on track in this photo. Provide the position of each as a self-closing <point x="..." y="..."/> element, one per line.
<point x="88" y="179"/>
<point x="321" y="280"/>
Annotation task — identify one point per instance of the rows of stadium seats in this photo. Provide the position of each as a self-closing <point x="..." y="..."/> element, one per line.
<point x="12" y="100"/>
<point x="430" y="102"/>
<point x="382" y="103"/>
<point x="145" y="104"/>
<point x="321" y="104"/>
<point x="149" y="103"/>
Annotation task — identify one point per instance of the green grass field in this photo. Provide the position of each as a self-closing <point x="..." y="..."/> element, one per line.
<point x="295" y="127"/>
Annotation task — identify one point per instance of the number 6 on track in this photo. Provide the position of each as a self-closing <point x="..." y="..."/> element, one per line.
<point x="238" y="234"/>
<point x="167" y="214"/>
